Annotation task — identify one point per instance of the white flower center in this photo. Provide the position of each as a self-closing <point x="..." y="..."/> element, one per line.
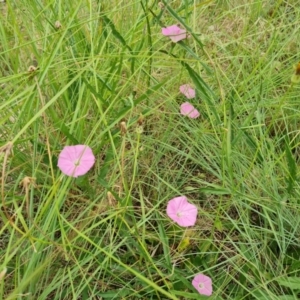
<point x="201" y="285"/>
<point x="76" y="162"/>
<point x="179" y="214"/>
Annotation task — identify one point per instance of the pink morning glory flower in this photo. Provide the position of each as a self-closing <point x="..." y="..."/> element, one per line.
<point x="187" y="109"/>
<point x="174" y="32"/>
<point x="182" y="212"/>
<point x="187" y="91"/>
<point x="202" y="284"/>
<point x="76" y="160"/>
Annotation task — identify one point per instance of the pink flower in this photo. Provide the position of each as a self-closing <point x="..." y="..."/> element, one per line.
<point x="187" y="109"/>
<point x="175" y="33"/>
<point x="76" y="160"/>
<point x="187" y="91"/>
<point x="182" y="212"/>
<point x="202" y="284"/>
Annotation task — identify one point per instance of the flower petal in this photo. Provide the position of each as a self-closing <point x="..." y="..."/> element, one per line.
<point x="76" y="160"/>
<point x="187" y="91"/>
<point x="175" y="33"/>
<point x="182" y="212"/>
<point x="187" y="109"/>
<point x="203" y="284"/>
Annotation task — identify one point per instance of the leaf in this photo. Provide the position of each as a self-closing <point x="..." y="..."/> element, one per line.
<point x="254" y="146"/>
<point x="184" y="244"/>
<point x="106" y="167"/>
<point x="218" y="224"/>
<point x="292" y="176"/>
<point x="115" y="32"/>
<point x="216" y="190"/>
<point x="291" y="282"/>
<point x="115" y="294"/>
<point x="183" y="45"/>
<point x="187" y="295"/>
<point x="284" y="297"/>
<point x="65" y="130"/>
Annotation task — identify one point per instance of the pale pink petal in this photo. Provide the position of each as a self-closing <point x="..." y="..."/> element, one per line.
<point x="174" y="32"/>
<point x="76" y="160"/>
<point x="187" y="91"/>
<point x="203" y="284"/>
<point x="187" y="109"/>
<point x="182" y="212"/>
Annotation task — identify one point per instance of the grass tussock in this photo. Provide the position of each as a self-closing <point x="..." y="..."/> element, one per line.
<point x="101" y="73"/>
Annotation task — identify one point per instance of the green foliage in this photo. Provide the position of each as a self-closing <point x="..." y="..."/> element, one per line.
<point x="106" y="234"/>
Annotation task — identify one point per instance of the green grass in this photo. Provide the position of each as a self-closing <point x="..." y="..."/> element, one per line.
<point x="106" y="235"/>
